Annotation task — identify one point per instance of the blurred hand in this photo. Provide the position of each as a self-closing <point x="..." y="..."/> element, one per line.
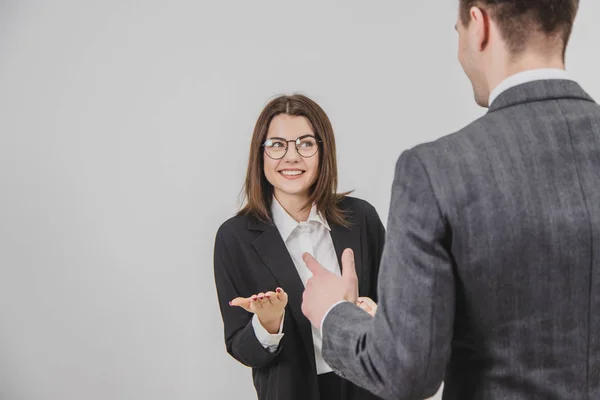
<point x="268" y="307"/>
<point x="324" y="288"/>
<point x="367" y="304"/>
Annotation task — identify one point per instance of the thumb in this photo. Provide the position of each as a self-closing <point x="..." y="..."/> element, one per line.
<point x="240" y="302"/>
<point x="348" y="268"/>
<point x="312" y="264"/>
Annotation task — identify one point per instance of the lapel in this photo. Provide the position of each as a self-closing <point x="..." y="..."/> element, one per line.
<point x="271" y="249"/>
<point x="344" y="238"/>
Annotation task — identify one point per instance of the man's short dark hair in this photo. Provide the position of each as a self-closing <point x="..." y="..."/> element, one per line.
<point x="518" y="20"/>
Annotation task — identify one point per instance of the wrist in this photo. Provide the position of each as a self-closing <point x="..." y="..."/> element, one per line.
<point x="270" y="324"/>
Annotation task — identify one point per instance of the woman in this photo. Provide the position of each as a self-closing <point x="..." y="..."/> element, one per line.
<point x="292" y="207"/>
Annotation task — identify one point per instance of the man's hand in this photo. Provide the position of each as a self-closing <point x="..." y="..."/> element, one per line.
<point x="325" y="288"/>
<point x="268" y="307"/>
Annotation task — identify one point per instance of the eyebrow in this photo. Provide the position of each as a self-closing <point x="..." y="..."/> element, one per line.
<point x="301" y="136"/>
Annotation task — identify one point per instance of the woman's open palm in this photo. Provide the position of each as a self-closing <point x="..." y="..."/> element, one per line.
<point x="268" y="306"/>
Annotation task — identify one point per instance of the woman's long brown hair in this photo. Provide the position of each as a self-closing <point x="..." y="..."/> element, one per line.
<point x="259" y="192"/>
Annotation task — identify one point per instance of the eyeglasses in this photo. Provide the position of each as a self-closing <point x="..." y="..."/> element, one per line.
<point x="276" y="148"/>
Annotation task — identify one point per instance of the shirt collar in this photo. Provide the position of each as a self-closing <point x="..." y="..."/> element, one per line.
<point x="527" y="76"/>
<point x="286" y="224"/>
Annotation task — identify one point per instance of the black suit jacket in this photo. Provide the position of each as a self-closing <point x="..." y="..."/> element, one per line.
<point x="251" y="257"/>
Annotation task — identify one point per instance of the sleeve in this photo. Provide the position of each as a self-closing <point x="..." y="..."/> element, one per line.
<point x="269" y="341"/>
<point x="240" y="338"/>
<point x="402" y="352"/>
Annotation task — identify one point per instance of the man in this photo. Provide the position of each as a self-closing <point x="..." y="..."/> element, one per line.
<point x="490" y="278"/>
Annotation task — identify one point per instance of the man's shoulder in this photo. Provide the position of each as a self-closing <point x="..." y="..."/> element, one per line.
<point x="459" y="143"/>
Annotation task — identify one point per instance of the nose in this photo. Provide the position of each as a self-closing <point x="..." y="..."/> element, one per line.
<point x="291" y="155"/>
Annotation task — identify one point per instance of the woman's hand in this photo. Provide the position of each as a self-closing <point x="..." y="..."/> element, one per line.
<point x="367" y="304"/>
<point x="268" y="307"/>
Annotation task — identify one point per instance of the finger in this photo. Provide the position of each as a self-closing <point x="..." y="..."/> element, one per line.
<point x="368" y="301"/>
<point x="271" y="297"/>
<point x="264" y="301"/>
<point x="364" y="306"/>
<point x="312" y="264"/>
<point x="370" y="304"/>
<point x="282" y="295"/>
<point x="255" y="302"/>
<point x="348" y="268"/>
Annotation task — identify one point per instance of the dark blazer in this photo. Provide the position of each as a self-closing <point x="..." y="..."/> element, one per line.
<point x="251" y="257"/>
<point x="490" y="278"/>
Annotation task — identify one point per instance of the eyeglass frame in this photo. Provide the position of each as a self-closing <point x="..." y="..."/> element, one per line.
<point x="287" y="146"/>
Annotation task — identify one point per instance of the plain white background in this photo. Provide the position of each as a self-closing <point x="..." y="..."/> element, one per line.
<point x="124" y="137"/>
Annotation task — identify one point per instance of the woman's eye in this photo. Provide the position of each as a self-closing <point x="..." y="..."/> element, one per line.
<point x="274" y="144"/>
<point x="307" y="143"/>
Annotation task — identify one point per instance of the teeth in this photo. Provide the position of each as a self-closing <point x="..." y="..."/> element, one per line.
<point x="291" y="173"/>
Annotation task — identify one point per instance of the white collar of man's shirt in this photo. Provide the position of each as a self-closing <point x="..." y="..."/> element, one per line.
<point x="286" y="224"/>
<point x="525" y="77"/>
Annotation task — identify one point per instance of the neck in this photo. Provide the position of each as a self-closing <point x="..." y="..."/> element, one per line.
<point x="293" y="205"/>
<point x="522" y="63"/>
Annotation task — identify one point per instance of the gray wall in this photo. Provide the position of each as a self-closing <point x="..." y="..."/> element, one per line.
<point x="124" y="131"/>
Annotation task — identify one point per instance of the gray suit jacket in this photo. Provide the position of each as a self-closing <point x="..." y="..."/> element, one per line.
<point x="490" y="277"/>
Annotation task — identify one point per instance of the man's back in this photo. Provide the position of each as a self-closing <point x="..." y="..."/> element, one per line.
<point x="490" y="275"/>
<point x="520" y="189"/>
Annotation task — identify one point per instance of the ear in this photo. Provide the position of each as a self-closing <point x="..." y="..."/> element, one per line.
<point x="481" y="27"/>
